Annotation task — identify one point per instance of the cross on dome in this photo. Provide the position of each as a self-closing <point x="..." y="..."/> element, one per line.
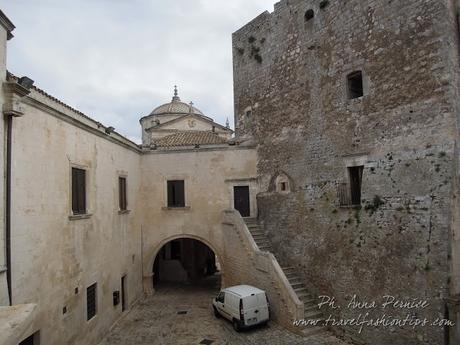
<point x="176" y="97"/>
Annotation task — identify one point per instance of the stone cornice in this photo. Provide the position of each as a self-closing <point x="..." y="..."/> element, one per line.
<point x="7" y="24"/>
<point x="13" y="93"/>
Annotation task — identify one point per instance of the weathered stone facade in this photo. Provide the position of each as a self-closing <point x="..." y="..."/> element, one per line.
<point x="290" y="78"/>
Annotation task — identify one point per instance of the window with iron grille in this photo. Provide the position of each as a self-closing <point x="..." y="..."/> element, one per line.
<point x="123" y="203"/>
<point x="176" y="197"/>
<point x="78" y="191"/>
<point x="91" y="304"/>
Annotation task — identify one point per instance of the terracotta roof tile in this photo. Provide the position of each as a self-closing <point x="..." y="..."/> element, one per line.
<point x="190" y="138"/>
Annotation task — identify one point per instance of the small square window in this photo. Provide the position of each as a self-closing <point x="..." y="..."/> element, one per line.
<point x="283" y="186"/>
<point x="355" y="85"/>
<point x="91" y="304"/>
<point x="78" y="191"/>
<point x="176" y="197"/>
<point x="123" y="203"/>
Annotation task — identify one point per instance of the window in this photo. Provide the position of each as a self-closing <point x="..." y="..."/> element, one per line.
<point x="91" y="305"/>
<point x="282" y="183"/>
<point x="176" y="196"/>
<point x="220" y="298"/>
<point x="78" y="191"/>
<point x="355" y="85"/>
<point x="356" y="176"/>
<point x="123" y="204"/>
<point x="123" y="293"/>
<point x="323" y="4"/>
<point x="310" y="14"/>
<point x="34" y="339"/>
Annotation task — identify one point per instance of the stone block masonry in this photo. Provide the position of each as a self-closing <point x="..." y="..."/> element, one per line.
<point x="293" y="96"/>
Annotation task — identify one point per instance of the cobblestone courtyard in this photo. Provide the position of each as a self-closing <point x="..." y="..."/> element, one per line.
<point x="155" y="320"/>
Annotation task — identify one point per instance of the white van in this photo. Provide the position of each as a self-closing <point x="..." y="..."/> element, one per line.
<point x="244" y="305"/>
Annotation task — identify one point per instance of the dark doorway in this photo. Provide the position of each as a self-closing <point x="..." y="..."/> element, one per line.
<point x="186" y="261"/>
<point x="241" y="200"/>
<point x="356" y="177"/>
<point x="123" y="293"/>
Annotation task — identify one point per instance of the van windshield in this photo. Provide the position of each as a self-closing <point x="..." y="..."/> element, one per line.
<point x="220" y="297"/>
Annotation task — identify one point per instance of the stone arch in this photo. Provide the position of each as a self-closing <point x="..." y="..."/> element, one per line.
<point x="281" y="182"/>
<point x="151" y="255"/>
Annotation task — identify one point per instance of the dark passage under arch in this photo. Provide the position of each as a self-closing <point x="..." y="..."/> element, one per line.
<point x="186" y="261"/>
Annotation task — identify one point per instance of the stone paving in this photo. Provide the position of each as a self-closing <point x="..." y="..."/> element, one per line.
<point x="155" y="320"/>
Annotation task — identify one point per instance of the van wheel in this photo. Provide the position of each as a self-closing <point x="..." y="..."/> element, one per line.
<point x="236" y="325"/>
<point x="216" y="313"/>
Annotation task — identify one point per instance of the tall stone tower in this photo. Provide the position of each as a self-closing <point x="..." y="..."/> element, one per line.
<point x="355" y="103"/>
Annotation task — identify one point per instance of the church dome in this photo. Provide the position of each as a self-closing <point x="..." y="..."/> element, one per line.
<point x="176" y="107"/>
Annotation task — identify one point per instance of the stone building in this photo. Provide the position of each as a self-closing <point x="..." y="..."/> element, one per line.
<point x="341" y="180"/>
<point x="178" y="121"/>
<point x="354" y="109"/>
<point x="86" y="211"/>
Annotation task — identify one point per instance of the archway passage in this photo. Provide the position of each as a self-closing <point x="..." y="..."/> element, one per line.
<point x="186" y="261"/>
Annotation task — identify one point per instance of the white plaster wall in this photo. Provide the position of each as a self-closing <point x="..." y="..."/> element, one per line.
<point x="206" y="174"/>
<point x="53" y="255"/>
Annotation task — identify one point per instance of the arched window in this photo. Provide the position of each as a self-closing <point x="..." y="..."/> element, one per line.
<point x="310" y="14"/>
<point x="282" y="184"/>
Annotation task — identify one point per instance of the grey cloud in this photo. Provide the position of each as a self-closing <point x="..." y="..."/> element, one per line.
<point x="117" y="60"/>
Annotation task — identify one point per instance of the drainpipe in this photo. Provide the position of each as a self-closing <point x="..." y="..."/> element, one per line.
<point x="13" y="91"/>
<point x="9" y="132"/>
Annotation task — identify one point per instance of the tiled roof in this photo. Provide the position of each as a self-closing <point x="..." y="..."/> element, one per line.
<point x="190" y="138"/>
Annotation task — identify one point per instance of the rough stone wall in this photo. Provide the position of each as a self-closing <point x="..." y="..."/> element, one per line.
<point x="291" y="96"/>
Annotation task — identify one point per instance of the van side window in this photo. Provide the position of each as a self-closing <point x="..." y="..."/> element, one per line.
<point x="220" y="298"/>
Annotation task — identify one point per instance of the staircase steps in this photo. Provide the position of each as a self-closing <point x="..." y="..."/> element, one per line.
<point x="311" y="309"/>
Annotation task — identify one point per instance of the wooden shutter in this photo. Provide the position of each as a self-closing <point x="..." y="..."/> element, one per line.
<point x="78" y="191"/>
<point x="176" y="197"/>
<point x="179" y="194"/>
<point x="123" y="203"/>
<point x="91" y="301"/>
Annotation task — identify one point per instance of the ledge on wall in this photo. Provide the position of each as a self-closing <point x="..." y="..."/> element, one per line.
<point x="185" y="208"/>
<point x="14" y="322"/>
<point x="79" y="216"/>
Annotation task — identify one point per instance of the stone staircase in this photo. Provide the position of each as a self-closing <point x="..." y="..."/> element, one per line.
<point x="311" y="309"/>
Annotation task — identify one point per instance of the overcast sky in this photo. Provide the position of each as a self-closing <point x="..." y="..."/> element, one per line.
<point x="116" y="60"/>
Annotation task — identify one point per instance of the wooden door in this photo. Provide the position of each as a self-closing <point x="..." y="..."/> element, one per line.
<point x="241" y="200"/>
